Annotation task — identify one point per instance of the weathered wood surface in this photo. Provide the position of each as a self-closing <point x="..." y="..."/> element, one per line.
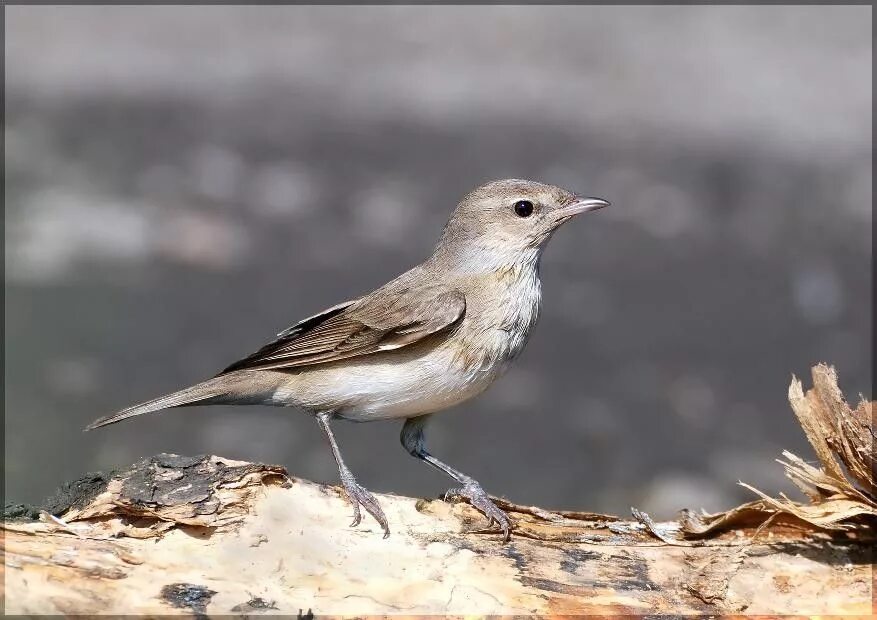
<point x="207" y="535"/>
<point x="216" y="536"/>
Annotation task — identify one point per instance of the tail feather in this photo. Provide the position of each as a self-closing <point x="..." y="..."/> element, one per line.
<point x="202" y="393"/>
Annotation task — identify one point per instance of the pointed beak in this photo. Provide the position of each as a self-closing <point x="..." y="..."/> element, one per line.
<point x="581" y="205"/>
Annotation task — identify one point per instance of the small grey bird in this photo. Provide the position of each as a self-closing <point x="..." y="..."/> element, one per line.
<point x="434" y="337"/>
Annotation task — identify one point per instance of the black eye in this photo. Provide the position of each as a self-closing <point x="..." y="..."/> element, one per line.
<point x="523" y="208"/>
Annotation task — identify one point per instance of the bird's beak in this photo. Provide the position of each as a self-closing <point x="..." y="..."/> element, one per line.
<point x="581" y="205"/>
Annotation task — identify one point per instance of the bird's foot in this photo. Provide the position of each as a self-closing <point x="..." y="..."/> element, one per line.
<point x="472" y="491"/>
<point x="360" y="496"/>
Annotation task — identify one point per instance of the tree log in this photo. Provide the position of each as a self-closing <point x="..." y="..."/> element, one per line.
<point x="207" y="535"/>
<point x="210" y="535"/>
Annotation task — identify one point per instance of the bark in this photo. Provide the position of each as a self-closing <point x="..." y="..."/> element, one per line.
<point x="207" y="535"/>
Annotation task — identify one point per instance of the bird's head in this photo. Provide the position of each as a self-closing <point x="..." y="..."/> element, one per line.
<point x="509" y="221"/>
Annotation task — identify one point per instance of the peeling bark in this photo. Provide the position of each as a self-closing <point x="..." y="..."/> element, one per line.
<point x="254" y="541"/>
<point x="207" y="535"/>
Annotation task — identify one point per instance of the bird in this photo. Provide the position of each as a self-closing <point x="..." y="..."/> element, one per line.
<point x="433" y="337"/>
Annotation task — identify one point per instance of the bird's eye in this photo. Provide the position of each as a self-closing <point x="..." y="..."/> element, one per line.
<point x="523" y="208"/>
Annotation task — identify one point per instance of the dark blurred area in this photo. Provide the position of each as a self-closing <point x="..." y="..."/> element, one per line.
<point x="184" y="182"/>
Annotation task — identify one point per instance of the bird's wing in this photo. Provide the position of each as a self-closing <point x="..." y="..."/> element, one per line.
<point x="377" y="322"/>
<point x="315" y="320"/>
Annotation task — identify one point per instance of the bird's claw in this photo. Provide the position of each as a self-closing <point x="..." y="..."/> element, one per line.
<point x="360" y="496"/>
<point x="472" y="491"/>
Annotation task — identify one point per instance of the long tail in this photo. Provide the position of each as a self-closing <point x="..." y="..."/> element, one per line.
<point x="213" y="391"/>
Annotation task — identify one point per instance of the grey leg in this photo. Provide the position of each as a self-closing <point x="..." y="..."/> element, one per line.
<point x="358" y="495"/>
<point x="413" y="440"/>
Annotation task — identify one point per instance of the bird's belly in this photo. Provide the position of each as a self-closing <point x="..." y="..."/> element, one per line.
<point x="389" y="386"/>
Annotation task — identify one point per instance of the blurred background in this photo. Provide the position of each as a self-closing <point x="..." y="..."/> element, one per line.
<point x="184" y="182"/>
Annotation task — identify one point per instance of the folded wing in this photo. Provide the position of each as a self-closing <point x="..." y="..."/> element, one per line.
<point x="382" y="321"/>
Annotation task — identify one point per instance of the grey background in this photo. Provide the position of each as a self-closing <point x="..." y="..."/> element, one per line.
<point x="184" y="182"/>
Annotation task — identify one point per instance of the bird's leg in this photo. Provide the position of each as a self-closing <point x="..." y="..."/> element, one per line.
<point x="358" y="495"/>
<point x="413" y="440"/>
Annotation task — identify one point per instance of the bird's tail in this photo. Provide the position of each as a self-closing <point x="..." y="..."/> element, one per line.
<point x="212" y="391"/>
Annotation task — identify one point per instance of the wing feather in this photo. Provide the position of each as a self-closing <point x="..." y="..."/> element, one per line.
<point x="382" y="321"/>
